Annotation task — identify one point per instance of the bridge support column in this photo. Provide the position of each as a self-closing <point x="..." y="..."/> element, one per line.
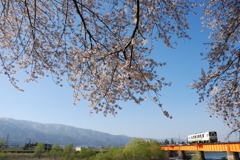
<point x="201" y="155"/>
<point x="232" y="156"/>
<point x="168" y="155"/>
<point x="181" y="155"/>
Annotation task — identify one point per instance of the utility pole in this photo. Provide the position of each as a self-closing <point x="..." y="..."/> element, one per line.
<point x="239" y="135"/>
<point x="7" y="140"/>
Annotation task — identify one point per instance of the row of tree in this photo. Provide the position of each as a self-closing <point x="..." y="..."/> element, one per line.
<point x="136" y="149"/>
<point x="56" y="152"/>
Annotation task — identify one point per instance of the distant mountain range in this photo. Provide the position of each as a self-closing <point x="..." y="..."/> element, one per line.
<point x="20" y="132"/>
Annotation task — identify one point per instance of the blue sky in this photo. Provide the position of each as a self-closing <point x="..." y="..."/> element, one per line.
<point x="47" y="103"/>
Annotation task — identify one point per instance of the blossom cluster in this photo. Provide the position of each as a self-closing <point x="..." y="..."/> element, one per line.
<point x="101" y="47"/>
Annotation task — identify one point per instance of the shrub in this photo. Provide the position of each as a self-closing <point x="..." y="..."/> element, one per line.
<point x="39" y="150"/>
<point x="55" y="152"/>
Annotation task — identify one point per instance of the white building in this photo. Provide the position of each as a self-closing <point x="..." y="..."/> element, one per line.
<point x="78" y="149"/>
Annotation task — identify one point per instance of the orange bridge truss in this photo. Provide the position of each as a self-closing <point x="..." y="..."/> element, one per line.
<point x="217" y="147"/>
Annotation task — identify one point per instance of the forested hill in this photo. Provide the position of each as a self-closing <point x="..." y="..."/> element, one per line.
<point x="20" y="132"/>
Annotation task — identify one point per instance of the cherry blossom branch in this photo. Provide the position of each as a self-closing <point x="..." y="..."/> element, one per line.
<point x="134" y="31"/>
<point x="123" y="50"/>
<point x="100" y="19"/>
